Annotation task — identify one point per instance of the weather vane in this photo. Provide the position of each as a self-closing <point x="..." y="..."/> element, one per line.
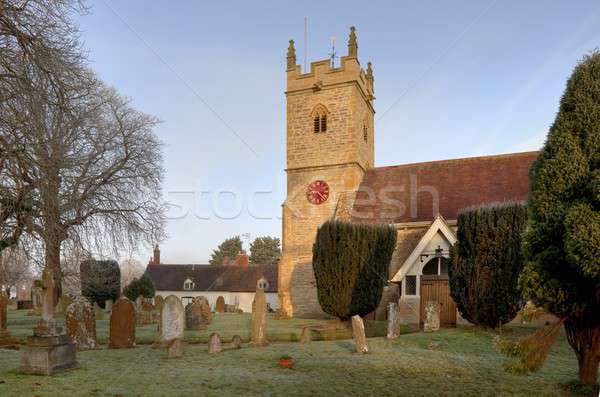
<point x="333" y="54"/>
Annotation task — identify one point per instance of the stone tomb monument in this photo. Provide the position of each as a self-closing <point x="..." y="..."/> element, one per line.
<point x="49" y="350"/>
<point x="122" y="325"/>
<point x="80" y="320"/>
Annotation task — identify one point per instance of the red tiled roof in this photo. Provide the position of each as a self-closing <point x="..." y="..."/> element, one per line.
<point x="168" y="277"/>
<point x="420" y="191"/>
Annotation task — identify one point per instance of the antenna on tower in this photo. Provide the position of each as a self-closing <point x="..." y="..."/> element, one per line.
<point x="333" y="54"/>
<point x="305" y="42"/>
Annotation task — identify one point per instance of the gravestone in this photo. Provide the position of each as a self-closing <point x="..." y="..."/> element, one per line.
<point x="393" y="329"/>
<point x="108" y="304"/>
<point x="158" y="305"/>
<point x="80" y="320"/>
<point x="236" y="342"/>
<point x="63" y="302"/>
<point x="306" y="336"/>
<point x="36" y="298"/>
<point x="431" y="322"/>
<point x="122" y="325"/>
<point x="220" y="305"/>
<point x="175" y="348"/>
<point x="358" y="333"/>
<point x="214" y="343"/>
<point x="172" y="321"/>
<point x="49" y="350"/>
<point x="259" y="319"/>
<point x="145" y="313"/>
<point x="197" y="315"/>
<point x="5" y="338"/>
<point x="98" y="312"/>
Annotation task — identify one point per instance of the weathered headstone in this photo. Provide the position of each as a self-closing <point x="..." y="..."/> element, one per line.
<point x="98" y="312"/>
<point x="197" y="315"/>
<point x="63" y="302"/>
<point x="36" y="298"/>
<point x="358" y="333"/>
<point x="49" y="350"/>
<point x="393" y="329"/>
<point x="220" y="305"/>
<point x="145" y="313"/>
<point x="431" y="322"/>
<point x="80" y="320"/>
<point x="259" y="319"/>
<point x="158" y="305"/>
<point x="236" y="342"/>
<point x="214" y="343"/>
<point x="108" y="304"/>
<point x="175" y="348"/>
<point x="306" y="336"/>
<point x="122" y="325"/>
<point x="5" y="338"/>
<point x="172" y="321"/>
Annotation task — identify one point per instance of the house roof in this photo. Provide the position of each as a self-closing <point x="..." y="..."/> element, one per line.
<point x="170" y="277"/>
<point x="421" y="191"/>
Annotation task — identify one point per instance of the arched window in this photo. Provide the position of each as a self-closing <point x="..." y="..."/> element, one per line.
<point x="436" y="267"/>
<point x="319" y="117"/>
<point x="188" y="285"/>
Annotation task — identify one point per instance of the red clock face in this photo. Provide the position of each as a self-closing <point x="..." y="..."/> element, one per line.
<point x="317" y="192"/>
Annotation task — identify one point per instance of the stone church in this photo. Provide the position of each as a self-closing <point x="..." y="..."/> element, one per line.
<point x="331" y="173"/>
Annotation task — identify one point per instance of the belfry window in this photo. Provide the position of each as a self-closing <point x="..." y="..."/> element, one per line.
<point x="319" y="117"/>
<point x="365" y="133"/>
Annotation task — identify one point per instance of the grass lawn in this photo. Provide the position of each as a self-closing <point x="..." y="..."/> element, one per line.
<point x="463" y="363"/>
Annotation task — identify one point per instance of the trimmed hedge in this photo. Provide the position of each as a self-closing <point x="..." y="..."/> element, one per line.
<point x="100" y="280"/>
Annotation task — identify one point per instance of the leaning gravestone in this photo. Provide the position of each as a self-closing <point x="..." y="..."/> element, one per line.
<point x="196" y="315"/>
<point x="236" y="342"/>
<point x="220" y="305"/>
<point x="172" y="320"/>
<point x="122" y="324"/>
<point x="81" y="323"/>
<point x="393" y="330"/>
<point x="432" y="316"/>
<point x="358" y="333"/>
<point x="214" y="343"/>
<point x="259" y="319"/>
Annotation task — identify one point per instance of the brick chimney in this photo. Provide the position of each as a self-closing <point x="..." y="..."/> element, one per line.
<point x="156" y="259"/>
<point x="242" y="259"/>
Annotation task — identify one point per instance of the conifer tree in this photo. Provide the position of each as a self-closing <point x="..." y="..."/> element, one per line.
<point x="562" y="243"/>
<point x="228" y="248"/>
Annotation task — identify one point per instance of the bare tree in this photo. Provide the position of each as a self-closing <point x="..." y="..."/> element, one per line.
<point x="130" y="270"/>
<point x="15" y="268"/>
<point x="94" y="162"/>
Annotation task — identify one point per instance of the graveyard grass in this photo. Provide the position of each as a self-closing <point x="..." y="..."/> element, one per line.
<point x="455" y="360"/>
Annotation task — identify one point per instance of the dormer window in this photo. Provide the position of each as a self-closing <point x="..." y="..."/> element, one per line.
<point x="262" y="283"/>
<point x="188" y="285"/>
<point x="319" y="118"/>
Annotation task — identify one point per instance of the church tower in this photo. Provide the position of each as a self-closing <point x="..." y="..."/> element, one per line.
<point x="330" y="141"/>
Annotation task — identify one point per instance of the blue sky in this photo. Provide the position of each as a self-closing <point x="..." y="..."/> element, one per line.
<point x="452" y="79"/>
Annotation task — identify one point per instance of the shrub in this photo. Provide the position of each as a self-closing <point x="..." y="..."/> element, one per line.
<point x="351" y="263"/>
<point x="486" y="263"/>
<point x="100" y="280"/>
<point x="142" y="286"/>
